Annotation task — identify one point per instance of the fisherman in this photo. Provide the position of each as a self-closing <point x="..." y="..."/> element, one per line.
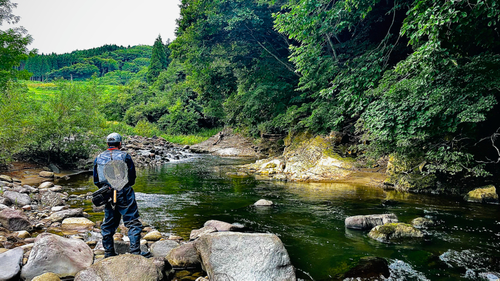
<point x="123" y="203"/>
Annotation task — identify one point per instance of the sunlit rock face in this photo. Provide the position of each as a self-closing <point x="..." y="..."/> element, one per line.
<point x="244" y="256"/>
<point x="392" y="232"/>
<point x="52" y="253"/>
<point x="486" y="194"/>
<point x="307" y="158"/>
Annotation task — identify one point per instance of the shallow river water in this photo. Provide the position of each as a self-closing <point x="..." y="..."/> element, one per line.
<point x="309" y="218"/>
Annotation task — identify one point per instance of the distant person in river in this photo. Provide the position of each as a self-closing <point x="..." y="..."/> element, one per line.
<point x="218" y="137"/>
<point x="123" y="203"/>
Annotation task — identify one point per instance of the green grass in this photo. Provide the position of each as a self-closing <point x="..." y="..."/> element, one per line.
<point x="201" y="136"/>
<point x="40" y="91"/>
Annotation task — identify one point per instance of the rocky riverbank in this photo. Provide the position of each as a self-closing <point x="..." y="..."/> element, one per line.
<point x="43" y="238"/>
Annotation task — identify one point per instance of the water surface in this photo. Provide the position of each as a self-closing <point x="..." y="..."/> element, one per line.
<point x="309" y="219"/>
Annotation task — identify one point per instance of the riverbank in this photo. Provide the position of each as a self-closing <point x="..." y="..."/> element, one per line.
<point x="42" y="236"/>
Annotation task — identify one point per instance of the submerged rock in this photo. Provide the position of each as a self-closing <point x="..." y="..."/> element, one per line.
<point x="368" y="268"/>
<point x="486" y="194"/>
<point x="244" y="256"/>
<point x="422" y="222"/>
<point x="125" y="267"/>
<point x="369" y="221"/>
<point x="394" y="231"/>
<point x="59" y="255"/>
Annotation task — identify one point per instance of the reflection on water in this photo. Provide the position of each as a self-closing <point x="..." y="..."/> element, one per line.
<point x="309" y="219"/>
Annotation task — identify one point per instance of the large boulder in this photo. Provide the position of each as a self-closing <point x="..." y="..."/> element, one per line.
<point x="369" y="221"/>
<point x="394" y="232"/>
<point x="162" y="248"/>
<point x="306" y="158"/>
<point x="19" y="199"/>
<point x="14" y="220"/>
<point x="124" y="268"/>
<point x="486" y="194"/>
<point x="11" y="263"/>
<point x="184" y="256"/>
<point x="244" y="256"/>
<point x="61" y="215"/>
<point x="59" y="255"/>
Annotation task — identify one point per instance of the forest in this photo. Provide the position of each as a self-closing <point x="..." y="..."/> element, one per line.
<point x="418" y="81"/>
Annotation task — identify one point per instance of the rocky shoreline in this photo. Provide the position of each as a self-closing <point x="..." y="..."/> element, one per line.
<point x="43" y="238"/>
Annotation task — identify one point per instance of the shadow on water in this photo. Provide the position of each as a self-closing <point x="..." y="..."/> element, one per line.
<point x="309" y="219"/>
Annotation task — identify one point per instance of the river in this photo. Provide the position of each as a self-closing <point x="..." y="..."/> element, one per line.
<point x="309" y="218"/>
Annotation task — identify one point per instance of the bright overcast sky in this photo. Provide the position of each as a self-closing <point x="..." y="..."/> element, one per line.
<point x="62" y="26"/>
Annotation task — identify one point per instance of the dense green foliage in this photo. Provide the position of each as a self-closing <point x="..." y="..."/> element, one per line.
<point x="419" y="80"/>
<point x="159" y="60"/>
<point x="115" y="65"/>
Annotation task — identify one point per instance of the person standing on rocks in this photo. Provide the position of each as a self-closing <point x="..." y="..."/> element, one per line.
<point x="124" y="203"/>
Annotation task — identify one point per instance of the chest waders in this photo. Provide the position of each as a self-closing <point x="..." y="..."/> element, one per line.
<point x="113" y="170"/>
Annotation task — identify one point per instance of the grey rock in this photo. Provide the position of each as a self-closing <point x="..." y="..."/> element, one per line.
<point x="62" y="256"/>
<point x="162" y="248"/>
<point x="19" y="199"/>
<point x="369" y="221"/>
<point x="5" y="201"/>
<point x="51" y="199"/>
<point x="196" y="233"/>
<point x="244" y="256"/>
<point x="263" y="202"/>
<point x="124" y="268"/>
<point x="11" y="263"/>
<point x="123" y="247"/>
<point x="223" y="226"/>
<point x="184" y="256"/>
<point x="14" y="220"/>
<point x="61" y="215"/>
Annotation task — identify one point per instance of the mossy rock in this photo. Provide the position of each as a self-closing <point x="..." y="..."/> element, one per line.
<point x="391" y="232"/>
<point x="486" y="194"/>
<point x="422" y="222"/>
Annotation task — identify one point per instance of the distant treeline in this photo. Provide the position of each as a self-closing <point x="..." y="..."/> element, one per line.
<point x="116" y="63"/>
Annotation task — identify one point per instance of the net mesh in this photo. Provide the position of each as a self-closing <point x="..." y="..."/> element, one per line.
<point x="116" y="173"/>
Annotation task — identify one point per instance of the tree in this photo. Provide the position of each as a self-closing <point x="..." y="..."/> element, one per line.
<point x="159" y="61"/>
<point x="13" y="43"/>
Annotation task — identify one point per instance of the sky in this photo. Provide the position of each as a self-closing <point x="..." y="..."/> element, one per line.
<point x="63" y="26"/>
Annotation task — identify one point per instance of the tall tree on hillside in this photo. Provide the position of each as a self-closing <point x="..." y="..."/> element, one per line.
<point x="13" y="43"/>
<point x="159" y="60"/>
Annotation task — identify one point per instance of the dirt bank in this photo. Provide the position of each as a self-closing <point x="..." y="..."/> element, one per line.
<point x="229" y="144"/>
